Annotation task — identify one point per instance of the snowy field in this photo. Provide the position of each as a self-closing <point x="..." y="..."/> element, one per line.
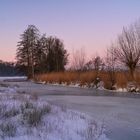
<point x="25" y="117"/>
<point x="15" y="78"/>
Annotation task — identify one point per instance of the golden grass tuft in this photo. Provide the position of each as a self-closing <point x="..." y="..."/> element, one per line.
<point x="121" y="79"/>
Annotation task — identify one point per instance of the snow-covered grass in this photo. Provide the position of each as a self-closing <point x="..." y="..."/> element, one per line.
<point x="25" y="117"/>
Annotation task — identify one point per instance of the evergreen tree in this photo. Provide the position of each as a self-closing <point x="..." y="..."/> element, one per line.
<point x="41" y="55"/>
<point x="57" y="56"/>
<point x="26" y="49"/>
<point x="37" y="54"/>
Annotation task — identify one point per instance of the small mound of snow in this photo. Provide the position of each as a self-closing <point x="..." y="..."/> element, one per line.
<point x="121" y="90"/>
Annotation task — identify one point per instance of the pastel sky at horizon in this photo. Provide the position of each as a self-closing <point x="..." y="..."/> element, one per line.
<point x="88" y="24"/>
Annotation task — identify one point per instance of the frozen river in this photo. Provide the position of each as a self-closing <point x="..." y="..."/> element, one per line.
<point x="121" y="115"/>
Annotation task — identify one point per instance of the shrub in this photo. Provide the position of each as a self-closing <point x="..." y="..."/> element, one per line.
<point x="10" y="113"/>
<point x="33" y="115"/>
<point x="7" y="129"/>
<point x="26" y="105"/>
<point x="45" y="109"/>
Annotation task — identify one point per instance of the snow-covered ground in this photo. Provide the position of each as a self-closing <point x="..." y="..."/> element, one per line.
<point x="99" y="86"/>
<point x="121" y="115"/>
<point x="25" y="117"/>
<point x="20" y="78"/>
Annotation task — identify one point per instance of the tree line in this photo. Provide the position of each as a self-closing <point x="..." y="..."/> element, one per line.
<point x="9" y="69"/>
<point x="40" y="54"/>
<point x="124" y="52"/>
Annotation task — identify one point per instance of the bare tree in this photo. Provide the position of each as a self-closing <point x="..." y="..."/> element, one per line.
<point x="111" y="65"/>
<point x="78" y="59"/>
<point x="127" y="50"/>
<point x="97" y="62"/>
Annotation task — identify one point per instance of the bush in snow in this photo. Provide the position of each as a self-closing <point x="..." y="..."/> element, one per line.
<point x="133" y="87"/>
<point x="7" y="129"/>
<point x="10" y="112"/>
<point x="33" y="115"/>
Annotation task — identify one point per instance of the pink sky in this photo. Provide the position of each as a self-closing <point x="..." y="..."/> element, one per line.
<point x="79" y="23"/>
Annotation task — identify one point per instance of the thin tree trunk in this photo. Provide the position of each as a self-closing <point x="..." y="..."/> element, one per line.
<point x="132" y="74"/>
